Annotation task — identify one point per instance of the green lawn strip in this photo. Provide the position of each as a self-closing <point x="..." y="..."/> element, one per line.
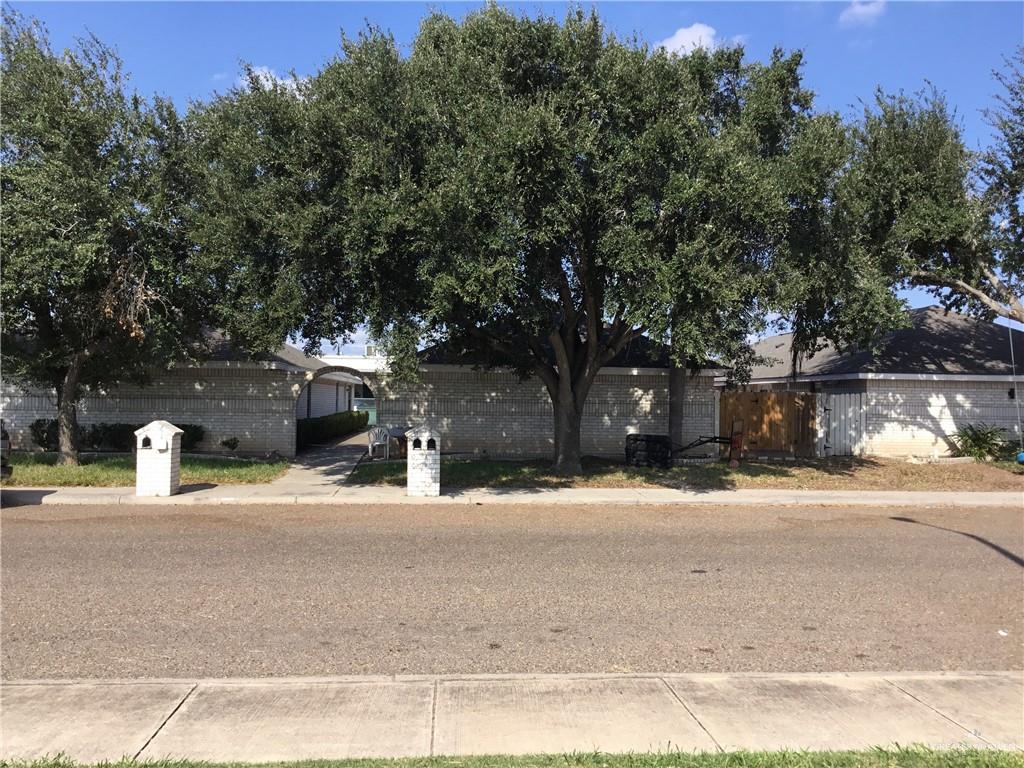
<point x="815" y="474"/>
<point x="41" y="470"/>
<point x="875" y="758"/>
<point x="1010" y="466"/>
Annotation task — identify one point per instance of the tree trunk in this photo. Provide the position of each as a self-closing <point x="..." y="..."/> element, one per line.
<point x="67" y="413"/>
<point x="568" y="382"/>
<point x="568" y="453"/>
<point x="676" y="401"/>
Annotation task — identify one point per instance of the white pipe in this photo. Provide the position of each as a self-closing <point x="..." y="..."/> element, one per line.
<point x="1016" y="389"/>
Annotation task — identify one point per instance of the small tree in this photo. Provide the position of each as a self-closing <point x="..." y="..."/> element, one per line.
<point x="543" y="194"/>
<point x="97" y="286"/>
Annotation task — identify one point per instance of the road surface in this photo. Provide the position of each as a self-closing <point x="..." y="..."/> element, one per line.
<point x="235" y="591"/>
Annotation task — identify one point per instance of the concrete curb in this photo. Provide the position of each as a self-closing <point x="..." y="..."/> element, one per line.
<point x="257" y="720"/>
<point x="484" y="677"/>
<point x="369" y="495"/>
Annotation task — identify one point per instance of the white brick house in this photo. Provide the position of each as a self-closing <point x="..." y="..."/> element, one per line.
<point x="494" y="413"/>
<point x="924" y="383"/>
<point x="231" y="395"/>
<point x="481" y="412"/>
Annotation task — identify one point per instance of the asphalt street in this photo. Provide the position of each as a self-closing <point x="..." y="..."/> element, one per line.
<point x="235" y="591"/>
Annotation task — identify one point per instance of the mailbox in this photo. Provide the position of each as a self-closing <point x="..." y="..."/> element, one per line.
<point x="158" y="459"/>
<point x="423" y="462"/>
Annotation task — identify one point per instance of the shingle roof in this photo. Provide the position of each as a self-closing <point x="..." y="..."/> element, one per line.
<point x="223" y="350"/>
<point x="937" y="342"/>
<point x="641" y="352"/>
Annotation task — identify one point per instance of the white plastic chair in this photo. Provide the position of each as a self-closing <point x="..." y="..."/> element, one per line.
<point x="380" y="436"/>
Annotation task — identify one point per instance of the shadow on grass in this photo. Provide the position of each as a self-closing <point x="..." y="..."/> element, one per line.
<point x="607" y="473"/>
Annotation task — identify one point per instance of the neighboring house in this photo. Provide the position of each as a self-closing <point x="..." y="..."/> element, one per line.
<point x="923" y="384"/>
<point x="328" y="393"/>
<point x="370" y="360"/>
<point x="495" y="413"/>
<point x="230" y="395"/>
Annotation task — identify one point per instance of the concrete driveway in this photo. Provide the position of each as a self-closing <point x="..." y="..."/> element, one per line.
<point x="236" y="591"/>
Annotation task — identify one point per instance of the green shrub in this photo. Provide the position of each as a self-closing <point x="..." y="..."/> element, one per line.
<point x="980" y="441"/>
<point x="117" y="437"/>
<point x="231" y="443"/>
<point x="322" y="428"/>
<point x="194" y="434"/>
<point x="44" y="434"/>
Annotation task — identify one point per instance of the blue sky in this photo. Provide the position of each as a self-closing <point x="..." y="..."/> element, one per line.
<point x="190" y="50"/>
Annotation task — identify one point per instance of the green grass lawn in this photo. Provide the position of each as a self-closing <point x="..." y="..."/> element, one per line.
<point x="817" y="474"/>
<point x="41" y="470"/>
<point x="876" y="758"/>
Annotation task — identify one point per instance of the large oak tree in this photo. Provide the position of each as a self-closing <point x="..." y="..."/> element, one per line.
<point x="542" y="193"/>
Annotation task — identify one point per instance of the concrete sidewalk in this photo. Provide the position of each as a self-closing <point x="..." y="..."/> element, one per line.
<point x="299" y="492"/>
<point x="291" y="719"/>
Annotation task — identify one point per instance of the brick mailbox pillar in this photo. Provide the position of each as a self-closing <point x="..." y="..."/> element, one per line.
<point x="423" y="462"/>
<point x="158" y="459"/>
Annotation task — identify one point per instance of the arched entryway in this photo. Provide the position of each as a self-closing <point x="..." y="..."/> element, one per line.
<point x="327" y="395"/>
<point x="323" y="464"/>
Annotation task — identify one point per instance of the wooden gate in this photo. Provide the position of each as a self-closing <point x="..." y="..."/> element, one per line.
<point x="841" y="424"/>
<point x="772" y="422"/>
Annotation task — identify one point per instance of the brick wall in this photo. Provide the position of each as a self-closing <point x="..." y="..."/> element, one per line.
<point x="904" y="418"/>
<point x="255" y="405"/>
<point x="476" y="411"/>
<point x="496" y="413"/>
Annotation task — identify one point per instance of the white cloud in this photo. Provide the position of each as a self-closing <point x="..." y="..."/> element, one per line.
<point x="687" y="39"/>
<point x="862" y="13"/>
<point x="266" y="77"/>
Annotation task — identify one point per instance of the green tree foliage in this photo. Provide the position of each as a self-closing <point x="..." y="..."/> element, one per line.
<point x="543" y="194"/>
<point x="1001" y="173"/>
<point x="97" y="286"/>
<point x="539" y="194"/>
<point x="913" y="207"/>
<point x="266" y="235"/>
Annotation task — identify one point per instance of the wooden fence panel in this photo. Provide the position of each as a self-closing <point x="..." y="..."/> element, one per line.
<point x="773" y="422"/>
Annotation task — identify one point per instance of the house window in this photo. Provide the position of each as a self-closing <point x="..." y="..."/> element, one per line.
<point x="1012" y="393"/>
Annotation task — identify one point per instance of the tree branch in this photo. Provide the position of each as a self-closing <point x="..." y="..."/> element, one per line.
<point x="1012" y="301"/>
<point x="544" y="370"/>
<point x="922" y="277"/>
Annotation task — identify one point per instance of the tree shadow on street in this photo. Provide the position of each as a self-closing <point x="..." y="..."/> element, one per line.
<point x="1013" y="558"/>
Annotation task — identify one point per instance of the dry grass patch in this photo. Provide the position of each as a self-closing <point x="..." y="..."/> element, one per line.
<point x="861" y="474"/>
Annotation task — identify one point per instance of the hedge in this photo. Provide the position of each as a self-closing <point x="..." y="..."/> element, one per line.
<point x="323" y="428"/>
<point x="114" y="437"/>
